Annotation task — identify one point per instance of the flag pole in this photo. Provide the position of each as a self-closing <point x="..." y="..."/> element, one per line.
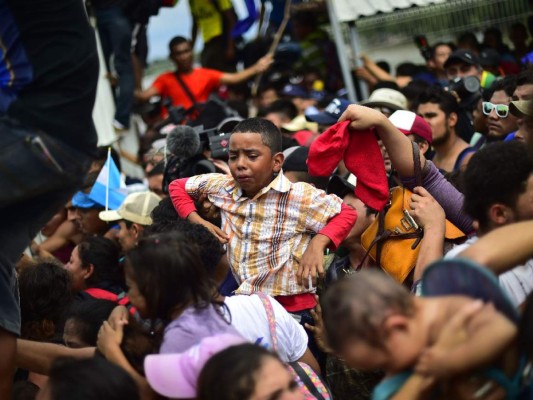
<point x="107" y="182"/>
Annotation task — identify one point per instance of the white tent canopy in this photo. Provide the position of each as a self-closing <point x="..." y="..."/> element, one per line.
<point x="350" y="10"/>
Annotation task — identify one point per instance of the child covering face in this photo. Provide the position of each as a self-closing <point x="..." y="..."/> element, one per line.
<point x="374" y="323"/>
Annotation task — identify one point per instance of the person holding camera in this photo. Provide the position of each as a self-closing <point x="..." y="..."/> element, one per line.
<point x="463" y="63"/>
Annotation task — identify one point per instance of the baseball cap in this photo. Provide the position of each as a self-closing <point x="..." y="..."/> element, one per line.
<point x="82" y="200"/>
<point x="295" y="91"/>
<point x="331" y="113"/>
<point x="462" y="55"/>
<point x="175" y="375"/>
<point x="296" y="158"/>
<point x="386" y="97"/>
<point x="411" y="124"/>
<point x="136" y="208"/>
<point x="521" y="108"/>
<point x="341" y="186"/>
<point x="299" y="123"/>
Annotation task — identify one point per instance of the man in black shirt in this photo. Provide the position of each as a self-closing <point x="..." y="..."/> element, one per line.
<point x="48" y="73"/>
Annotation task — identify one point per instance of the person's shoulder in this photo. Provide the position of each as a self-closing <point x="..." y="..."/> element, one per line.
<point x="165" y="76"/>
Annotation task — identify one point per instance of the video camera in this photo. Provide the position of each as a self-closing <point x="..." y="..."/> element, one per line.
<point x="468" y="90"/>
<point x="422" y="43"/>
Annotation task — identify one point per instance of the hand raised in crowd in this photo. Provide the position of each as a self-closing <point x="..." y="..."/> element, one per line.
<point x="318" y="329"/>
<point x="110" y="337"/>
<point x="312" y="262"/>
<point x="362" y="117"/>
<point x="426" y="211"/>
<point x="264" y="63"/>
<point x="433" y="360"/>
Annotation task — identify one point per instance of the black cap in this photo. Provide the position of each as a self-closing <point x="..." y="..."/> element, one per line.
<point x="464" y="56"/>
<point x="341" y="186"/>
<point x="296" y="159"/>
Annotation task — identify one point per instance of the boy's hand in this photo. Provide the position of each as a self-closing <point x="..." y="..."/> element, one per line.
<point x="426" y="211"/>
<point x="215" y="230"/>
<point x="312" y="262"/>
<point x="362" y="117"/>
<point x="207" y="210"/>
<point x="432" y="362"/>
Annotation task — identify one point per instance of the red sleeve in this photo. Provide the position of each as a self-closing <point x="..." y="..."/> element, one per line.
<point x="340" y="226"/>
<point x="214" y="78"/>
<point x="183" y="203"/>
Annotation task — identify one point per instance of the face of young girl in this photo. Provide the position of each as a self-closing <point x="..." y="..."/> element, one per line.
<point x="275" y="382"/>
<point x="135" y="296"/>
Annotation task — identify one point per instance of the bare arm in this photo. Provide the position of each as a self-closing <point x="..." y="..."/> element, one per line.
<point x="397" y="144"/>
<point x="375" y="70"/>
<point x="486" y="338"/>
<point x="38" y="357"/>
<point x="237" y="77"/>
<point x="229" y="22"/>
<point x="60" y="238"/>
<point x="504" y="248"/>
<point x="428" y="213"/>
<point x="145" y="95"/>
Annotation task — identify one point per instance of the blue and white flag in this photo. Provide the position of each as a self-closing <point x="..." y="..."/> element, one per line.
<point x="109" y="188"/>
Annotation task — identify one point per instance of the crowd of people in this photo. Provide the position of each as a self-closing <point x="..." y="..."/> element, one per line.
<point x="284" y="244"/>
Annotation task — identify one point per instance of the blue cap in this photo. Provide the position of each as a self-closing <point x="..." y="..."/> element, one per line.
<point x="331" y="113"/>
<point x="295" y="91"/>
<point x="82" y="200"/>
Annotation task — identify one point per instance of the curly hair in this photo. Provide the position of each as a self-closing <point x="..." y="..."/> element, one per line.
<point x="45" y="292"/>
<point x="497" y="173"/>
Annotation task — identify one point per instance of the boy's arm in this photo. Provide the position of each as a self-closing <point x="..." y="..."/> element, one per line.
<point x="184" y="205"/>
<point x="335" y="231"/>
<point x="339" y="226"/>
<point x="488" y="335"/>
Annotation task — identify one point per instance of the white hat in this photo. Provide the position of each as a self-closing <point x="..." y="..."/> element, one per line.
<point x="136" y="208"/>
<point x="385" y="97"/>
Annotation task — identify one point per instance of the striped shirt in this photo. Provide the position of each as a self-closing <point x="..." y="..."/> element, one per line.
<point x="269" y="233"/>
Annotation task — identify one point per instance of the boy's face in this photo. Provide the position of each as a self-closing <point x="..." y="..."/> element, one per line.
<point x="251" y="162"/>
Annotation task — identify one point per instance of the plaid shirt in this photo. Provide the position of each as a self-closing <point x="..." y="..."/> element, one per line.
<point x="269" y="233"/>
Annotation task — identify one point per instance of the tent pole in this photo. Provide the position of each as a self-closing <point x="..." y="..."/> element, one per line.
<point x="343" y="60"/>
<point x="356" y="48"/>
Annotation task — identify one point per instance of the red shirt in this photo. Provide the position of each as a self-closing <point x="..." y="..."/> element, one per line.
<point x="200" y="81"/>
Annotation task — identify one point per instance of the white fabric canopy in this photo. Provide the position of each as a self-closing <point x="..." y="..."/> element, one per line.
<point x="351" y="10"/>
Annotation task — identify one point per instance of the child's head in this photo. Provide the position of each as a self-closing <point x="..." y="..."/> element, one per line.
<point x="255" y="154"/>
<point x="369" y="321"/>
<point x="246" y="372"/>
<point x="164" y="275"/>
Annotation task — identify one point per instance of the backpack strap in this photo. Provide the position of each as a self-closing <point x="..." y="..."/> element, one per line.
<point x="185" y="88"/>
<point x="101" y="294"/>
<point x="462" y="156"/>
<point x="306" y="380"/>
<point x="271" y="319"/>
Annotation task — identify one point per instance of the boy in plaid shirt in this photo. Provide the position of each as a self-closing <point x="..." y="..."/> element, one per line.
<point x="276" y="231"/>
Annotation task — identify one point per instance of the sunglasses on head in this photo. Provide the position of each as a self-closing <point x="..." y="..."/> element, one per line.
<point x="502" y="110"/>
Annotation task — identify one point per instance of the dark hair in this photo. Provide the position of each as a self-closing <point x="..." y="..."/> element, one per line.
<point x="433" y="49"/>
<point x="413" y="90"/>
<point x="87" y="315"/>
<point x="281" y="106"/>
<point x="90" y="379"/>
<point x="525" y="77"/>
<point x="210" y="249"/>
<point x="270" y="134"/>
<point x="507" y="84"/>
<point x="407" y="69"/>
<point x="137" y="343"/>
<point x="103" y="254"/>
<point x="24" y="390"/>
<point x="164" y="217"/>
<point x="525" y="333"/>
<point x="45" y="292"/>
<point x="231" y="373"/>
<point x="167" y="270"/>
<point x="446" y="101"/>
<point x="384" y="65"/>
<point x="469" y="39"/>
<point x="176" y="41"/>
<point x="497" y="173"/>
<point x="356" y="307"/>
